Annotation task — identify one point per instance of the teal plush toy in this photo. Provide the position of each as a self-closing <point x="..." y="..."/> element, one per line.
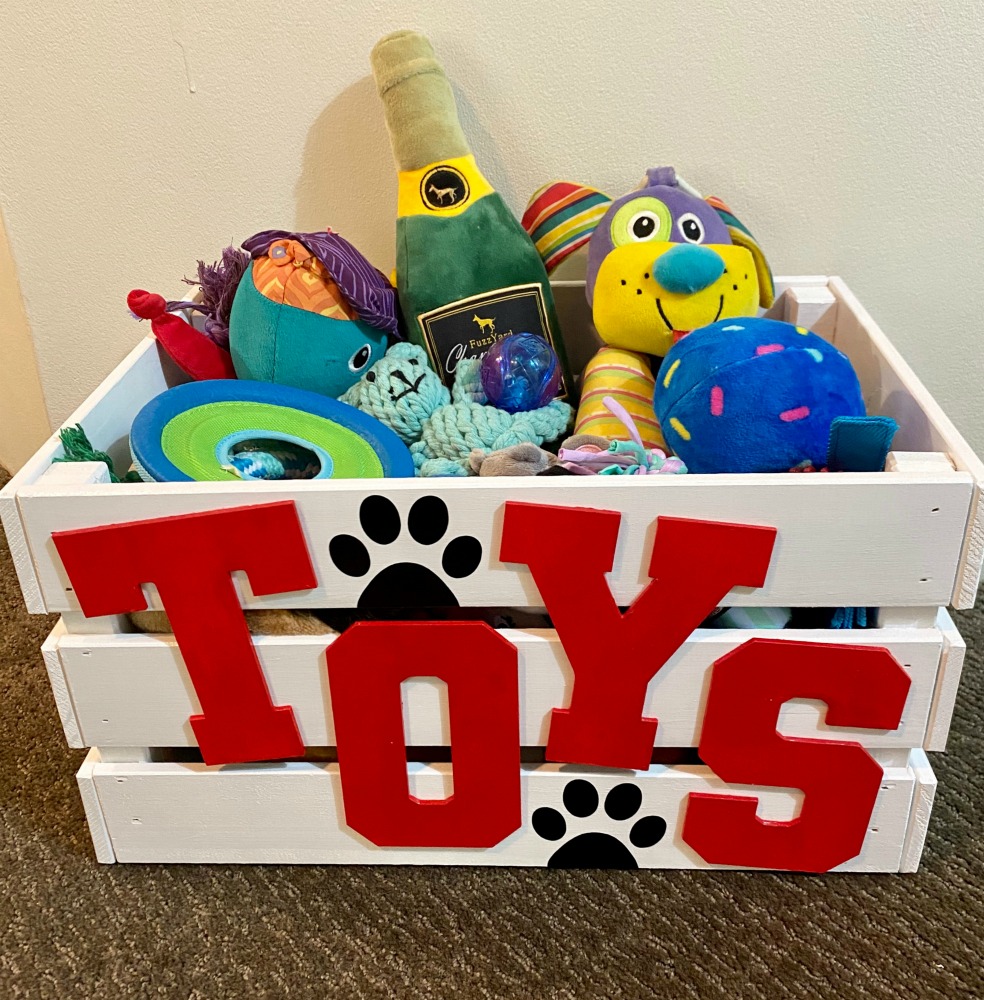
<point x="310" y="312"/>
<point x="305" y="310"/>
<point x="442" y="428"/>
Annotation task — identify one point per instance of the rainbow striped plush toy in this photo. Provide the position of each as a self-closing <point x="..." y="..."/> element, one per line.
<point x="662" y="261"/>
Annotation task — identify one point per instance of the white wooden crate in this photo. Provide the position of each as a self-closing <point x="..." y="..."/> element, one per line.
<point x="292" y="813"/>
<point x="908" y="541"/>
<point x="133" y="690"/>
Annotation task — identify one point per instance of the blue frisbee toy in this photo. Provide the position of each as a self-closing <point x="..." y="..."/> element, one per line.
<point x="231" y="429"/>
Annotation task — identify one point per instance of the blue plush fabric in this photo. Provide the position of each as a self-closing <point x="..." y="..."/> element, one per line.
<point x="276" y="342"/>
<point x="688" y="268"/>
<point x="860" y="444"/>
<point x="753" y="395"/>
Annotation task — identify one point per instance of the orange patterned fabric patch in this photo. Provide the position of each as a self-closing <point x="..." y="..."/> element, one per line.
<point x="292" y="275"/>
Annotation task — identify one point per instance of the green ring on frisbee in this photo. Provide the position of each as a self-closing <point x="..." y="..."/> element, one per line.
<point x="185" y="434"/>
<point x="190" y="440"/>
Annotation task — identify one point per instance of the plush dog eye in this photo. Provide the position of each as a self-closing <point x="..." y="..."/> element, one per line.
<point x="370" y="376"/>
<point x="644" y="226"/>
<point x="640" y="221"/>
<point x="360" y="359"/>
<point x="691" y="228"/>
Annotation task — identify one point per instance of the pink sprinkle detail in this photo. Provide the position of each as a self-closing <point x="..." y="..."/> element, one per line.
<point x="768" y="348"/>
<point x="798" y="414"/>
<point x="717" y="401"/>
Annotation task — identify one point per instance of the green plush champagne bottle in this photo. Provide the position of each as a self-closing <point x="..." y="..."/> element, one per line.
<point x="467" y="273"/>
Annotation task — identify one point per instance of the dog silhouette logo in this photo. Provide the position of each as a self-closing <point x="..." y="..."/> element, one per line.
<point x="444" y="187"/>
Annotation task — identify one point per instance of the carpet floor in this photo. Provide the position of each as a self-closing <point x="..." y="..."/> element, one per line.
<point x="70" y="928"/>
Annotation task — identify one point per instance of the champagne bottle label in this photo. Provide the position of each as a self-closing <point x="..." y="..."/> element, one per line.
<point x="469" y="327"/>
<point x="464" y="266"/>
<point x="446" y="188"/>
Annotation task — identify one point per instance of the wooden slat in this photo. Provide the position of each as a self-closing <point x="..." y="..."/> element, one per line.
<point x="947" y="683"/>
<point x="134" y="689"/>
<point x="850" y="539"/>
<point x="812" y="307"/>
<point x="923" y="796"/>
<point x="102" y="842"/>
<point x="817" y="553"/>
<point x="292" y="813"/>
<point x="59" y="685"/>
<point x="106" y="416"/>
<point x="892" y="389"/>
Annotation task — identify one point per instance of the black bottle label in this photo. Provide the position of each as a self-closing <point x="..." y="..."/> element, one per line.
<point x="469" y="327"/>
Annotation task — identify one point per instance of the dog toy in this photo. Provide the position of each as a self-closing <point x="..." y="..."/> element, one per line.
<point x="661" y="261"/>
<point x="444" y="429"/>
<point x="263" y="621"/>
<point x="756" y="395"/>
<point x="300" y="309"/>
<point x="78" y="448"/>
<point x="620" y="458"/>
<point x="526" y="459"/>
<point x="235" y="429"/>
<point x="581" y="455"/>
<point x="466" y="270"/>
<point x="520" y="372"/>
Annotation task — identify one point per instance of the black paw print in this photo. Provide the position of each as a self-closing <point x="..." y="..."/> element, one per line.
<point x="405" y="584"/>
<point x="594" y="849"/>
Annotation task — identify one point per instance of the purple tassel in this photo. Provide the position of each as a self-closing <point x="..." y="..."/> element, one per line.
<point x="218" y="283"/>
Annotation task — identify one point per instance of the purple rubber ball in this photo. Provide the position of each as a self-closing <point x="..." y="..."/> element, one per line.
<point x="520" y="372"/>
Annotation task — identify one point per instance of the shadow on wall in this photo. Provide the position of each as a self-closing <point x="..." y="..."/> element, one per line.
<point x="348" y="179"/>
<point x="348" y="176"/>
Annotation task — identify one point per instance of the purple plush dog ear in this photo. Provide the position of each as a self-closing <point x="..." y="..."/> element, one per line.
<point x="561" y="218"/>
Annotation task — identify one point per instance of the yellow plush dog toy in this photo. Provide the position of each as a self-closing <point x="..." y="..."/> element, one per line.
<point x="662" y="261"/>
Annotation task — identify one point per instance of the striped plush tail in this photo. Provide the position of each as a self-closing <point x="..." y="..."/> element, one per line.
<point x="627" y="378"/>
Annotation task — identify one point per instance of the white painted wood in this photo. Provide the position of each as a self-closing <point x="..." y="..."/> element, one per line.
<point x="947" y="683"/>
<point x="918" y="461"/>
<point x="891" y="388"/>
<point x="124" y="755"/>
<point x="102" y="842"/>
<point x="134" y="689"/>
<point x="20" y="551"/>
<point x="816" y="566"/>
<point x="812" y="307"/>
<point x="75" y="474"/>
<point x="924" y="794"/>
<point x="68" y="474"/>
<point x="850" y="539"/>
<point x="106" y="416"/>
<point x="59" y="685"/>
<point x="907" y="617"/>
<point x="292" y="813"/>
<point x="76" y="623"/>
<point x="891" y="756"/>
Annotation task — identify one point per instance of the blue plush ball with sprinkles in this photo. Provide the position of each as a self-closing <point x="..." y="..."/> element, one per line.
<point x="753" y="395"/>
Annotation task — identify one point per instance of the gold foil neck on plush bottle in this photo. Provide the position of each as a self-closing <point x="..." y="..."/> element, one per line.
<point x="419" y="105"/>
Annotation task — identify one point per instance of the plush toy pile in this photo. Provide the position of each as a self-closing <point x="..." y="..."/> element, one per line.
<point x="459" y="367"/>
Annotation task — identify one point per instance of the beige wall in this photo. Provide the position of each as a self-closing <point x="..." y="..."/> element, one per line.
<point x="23" y="418"/>
<point x="135" y="138"/>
